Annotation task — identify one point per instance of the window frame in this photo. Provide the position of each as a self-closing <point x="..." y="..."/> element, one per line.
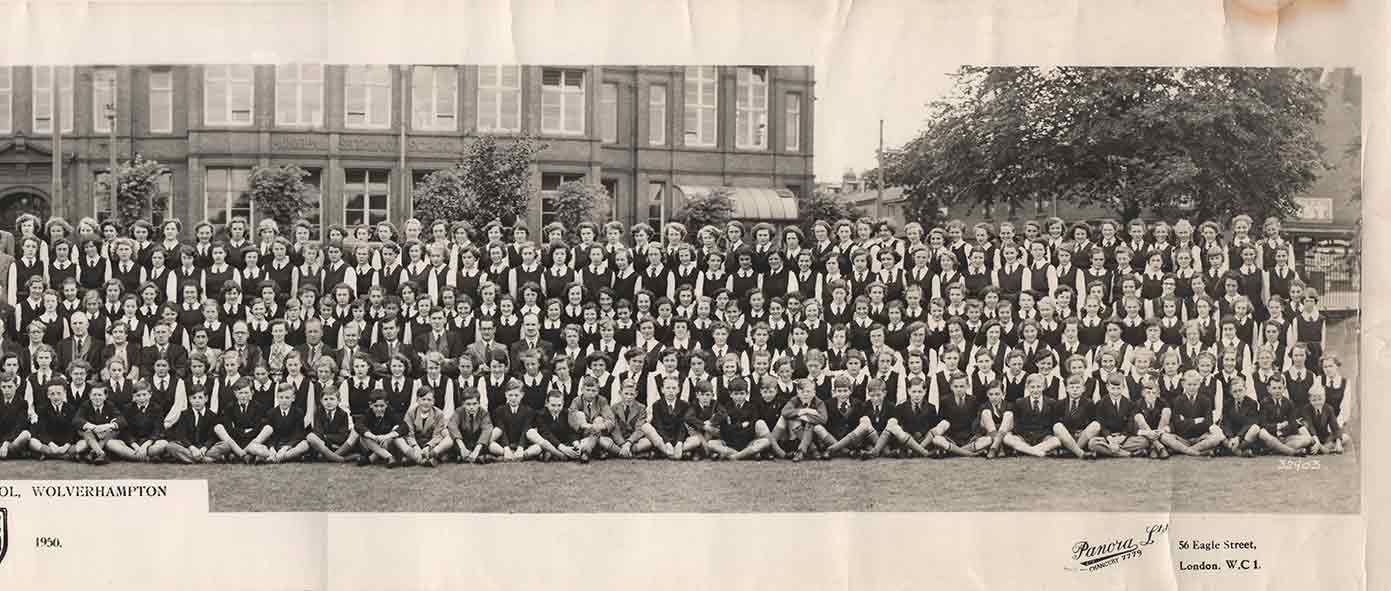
<point x="7" y="99"/>
<point x="450" y="73"/>
<point x="746" y="114"/>
<point x="365" y="190"/>
<point x="548" y="213"/>
<point x="792" y="122"/>
<point x="232" y="84"/>
<point x="608" y="112"/>
<point x="695" y="104"/>
<point x="227" y="205"/>
<point x="100" y="123"/>
<point x="300" y="84"/>
<point x="499" y="90"/>
<point x="164" y="122"/>
<point x="64" y="100"/>
<point x="565" y="94"/>
<point x="657" y="115"/>
<point x="367" y="86"/>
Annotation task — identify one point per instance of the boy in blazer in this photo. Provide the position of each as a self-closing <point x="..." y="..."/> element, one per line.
<point x="54" y="435"/>
<point x="1280" y="429"/>
<point x="1077" y="423"/>
<point x="473" y="432"/>
<point x="553" y="433"/>
<point x="192" y="435"/>
<point x="379" y="432"/>
<point x="97" y="422"/>
<point x="243" y="431"/>
<point x="846" y="428"/>
<point x="958" y="410"/>
<point x="141" y="433"/>
<point x="736" y="423"/>
<point x="802" y="415"/>
<point x="1322" y="422"/>
<point x="668" y="418"/>
<point x="592" y="419"/>
<point x="331" y="435"/>
<point x="631" y="431"/>
<point x="1194" y="432"/>
<point x="1034" y="417"/>
<point x="916" y="423"/>
<point x="1115" y="415"/>
<point x="516" y="424"/>
<point x="286" y="421"/>
<point x="14" y="418"/>
<point x="427" y="430"/>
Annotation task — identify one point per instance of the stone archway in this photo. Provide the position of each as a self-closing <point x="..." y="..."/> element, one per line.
<point x="18" y="201"/>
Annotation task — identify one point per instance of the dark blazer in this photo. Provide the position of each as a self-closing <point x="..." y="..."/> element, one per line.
<point x="55" y="426"/>
<point x="1116" y="418"/>
<point x="670" y="419"/>
<point x="88" y="413"/>
<point x="1027" y="420"/>
<point x="1076" y="419"/>
<point x="841" y="423"/>
<point x="139" y="427"/>
<point x="469" y="429"/>
<point x="514" y="424"/>
<point x="91" y="353"/>
<point x="1190" y="418"/>
<point x="556" y="429"/>
<point x="242" y="427"/>
<point x="545" y="348"/>
<point x="1322" y="424"/>
<point x="174" y="353"/>
<point x="924" y="419"/>
<point x="334" y="432"/>
<point x="380" y="352"/>
<point x="14" y="416"/>
<point x="186" y="433"/>
<point x="961" y="417"/>
<point x="380" y="425"/>
<point x="1275" y="411"/>
<point x="286" y="430"/>
<point x="451" y="345"/>
<point x="309" y="360"/>
<point x="736" y="424"/>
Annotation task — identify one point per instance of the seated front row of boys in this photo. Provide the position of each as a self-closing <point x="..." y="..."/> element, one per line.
<point x="776" y="424"/>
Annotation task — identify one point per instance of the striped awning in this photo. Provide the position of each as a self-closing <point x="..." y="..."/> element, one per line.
<point x="750" y="203"/>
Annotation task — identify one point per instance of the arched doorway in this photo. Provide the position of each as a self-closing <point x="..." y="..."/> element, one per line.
<point x="19" y="201"/>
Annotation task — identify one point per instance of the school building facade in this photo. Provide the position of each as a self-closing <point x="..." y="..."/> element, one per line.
<point x="652" y="135"/>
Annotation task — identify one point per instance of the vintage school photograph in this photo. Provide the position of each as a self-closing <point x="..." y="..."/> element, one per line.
<point x="702" y="288"/>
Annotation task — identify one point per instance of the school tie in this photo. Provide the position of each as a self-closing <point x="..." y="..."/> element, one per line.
<point x="243" y="409"/>
<point x="844" y="407"/>
<point x="1038" y="406"/>
<point x="915" y="407"/>
<point x="1072" y="407"/>
<point x="197" y="418"/>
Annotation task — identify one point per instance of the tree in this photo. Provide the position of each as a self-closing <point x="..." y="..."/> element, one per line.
<point x="1210" y="142"/>
<point x="280" y="193"/>
<point x="577" y="202"/>
<point x="715" y="209"/>
<point x="443" y="196"/>
<point x="137" y="190"/>
<point x="491" y="182"/>
<point x="822" y="205"/>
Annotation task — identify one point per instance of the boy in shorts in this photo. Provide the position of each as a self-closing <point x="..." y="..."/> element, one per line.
<point x="379" y="431"/>
<point x="331" y="435"/>
<point x="1034" y="418"/>
<point x="916" y="423"/>
<point x="192" y="435"/>
<point x="958" y="410"/>
<point x="427" y="432"/>
<point x="1194" y="433"/>
<point x="98" y="421"/>
<point x="286" y="421"/>
<point x="1076" y="424"/>
<point x="736" y="426"/>
<point x="801" y="416"/>
<point x="1115" y="415"/>
<point x="141" y="436"/>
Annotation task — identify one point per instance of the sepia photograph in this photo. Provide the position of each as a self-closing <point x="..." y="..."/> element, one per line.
<point x="686" y="289"/>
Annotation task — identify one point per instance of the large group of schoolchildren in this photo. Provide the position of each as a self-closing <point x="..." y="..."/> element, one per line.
<point x="269" y="344"/>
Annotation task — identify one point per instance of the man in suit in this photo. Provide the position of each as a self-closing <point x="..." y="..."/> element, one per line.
<point x="192" y="435"/>
<point x="1194" y="432"/>
<point x="80" y="345"/>
<point x="482" y="350"/>
<point x="1034" y="417"/>
<point x="531" y="341"/>
<point x="174" y="353"/>
<point x="349" y="346"/>
<point x="314" y="345"/>
<point x="388" y="346"/>
<point x="449" y="344"/>
<point x="250" y="355"/>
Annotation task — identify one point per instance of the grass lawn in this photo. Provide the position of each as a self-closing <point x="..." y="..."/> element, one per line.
<point x="1325" y="484"/>
<point x="1260" y="485"/>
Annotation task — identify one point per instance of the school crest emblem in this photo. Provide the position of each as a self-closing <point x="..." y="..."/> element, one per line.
<point x="4" y="532"/>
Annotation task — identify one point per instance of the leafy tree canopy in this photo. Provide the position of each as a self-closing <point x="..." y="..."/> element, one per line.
<point x="1221" y="140"/>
